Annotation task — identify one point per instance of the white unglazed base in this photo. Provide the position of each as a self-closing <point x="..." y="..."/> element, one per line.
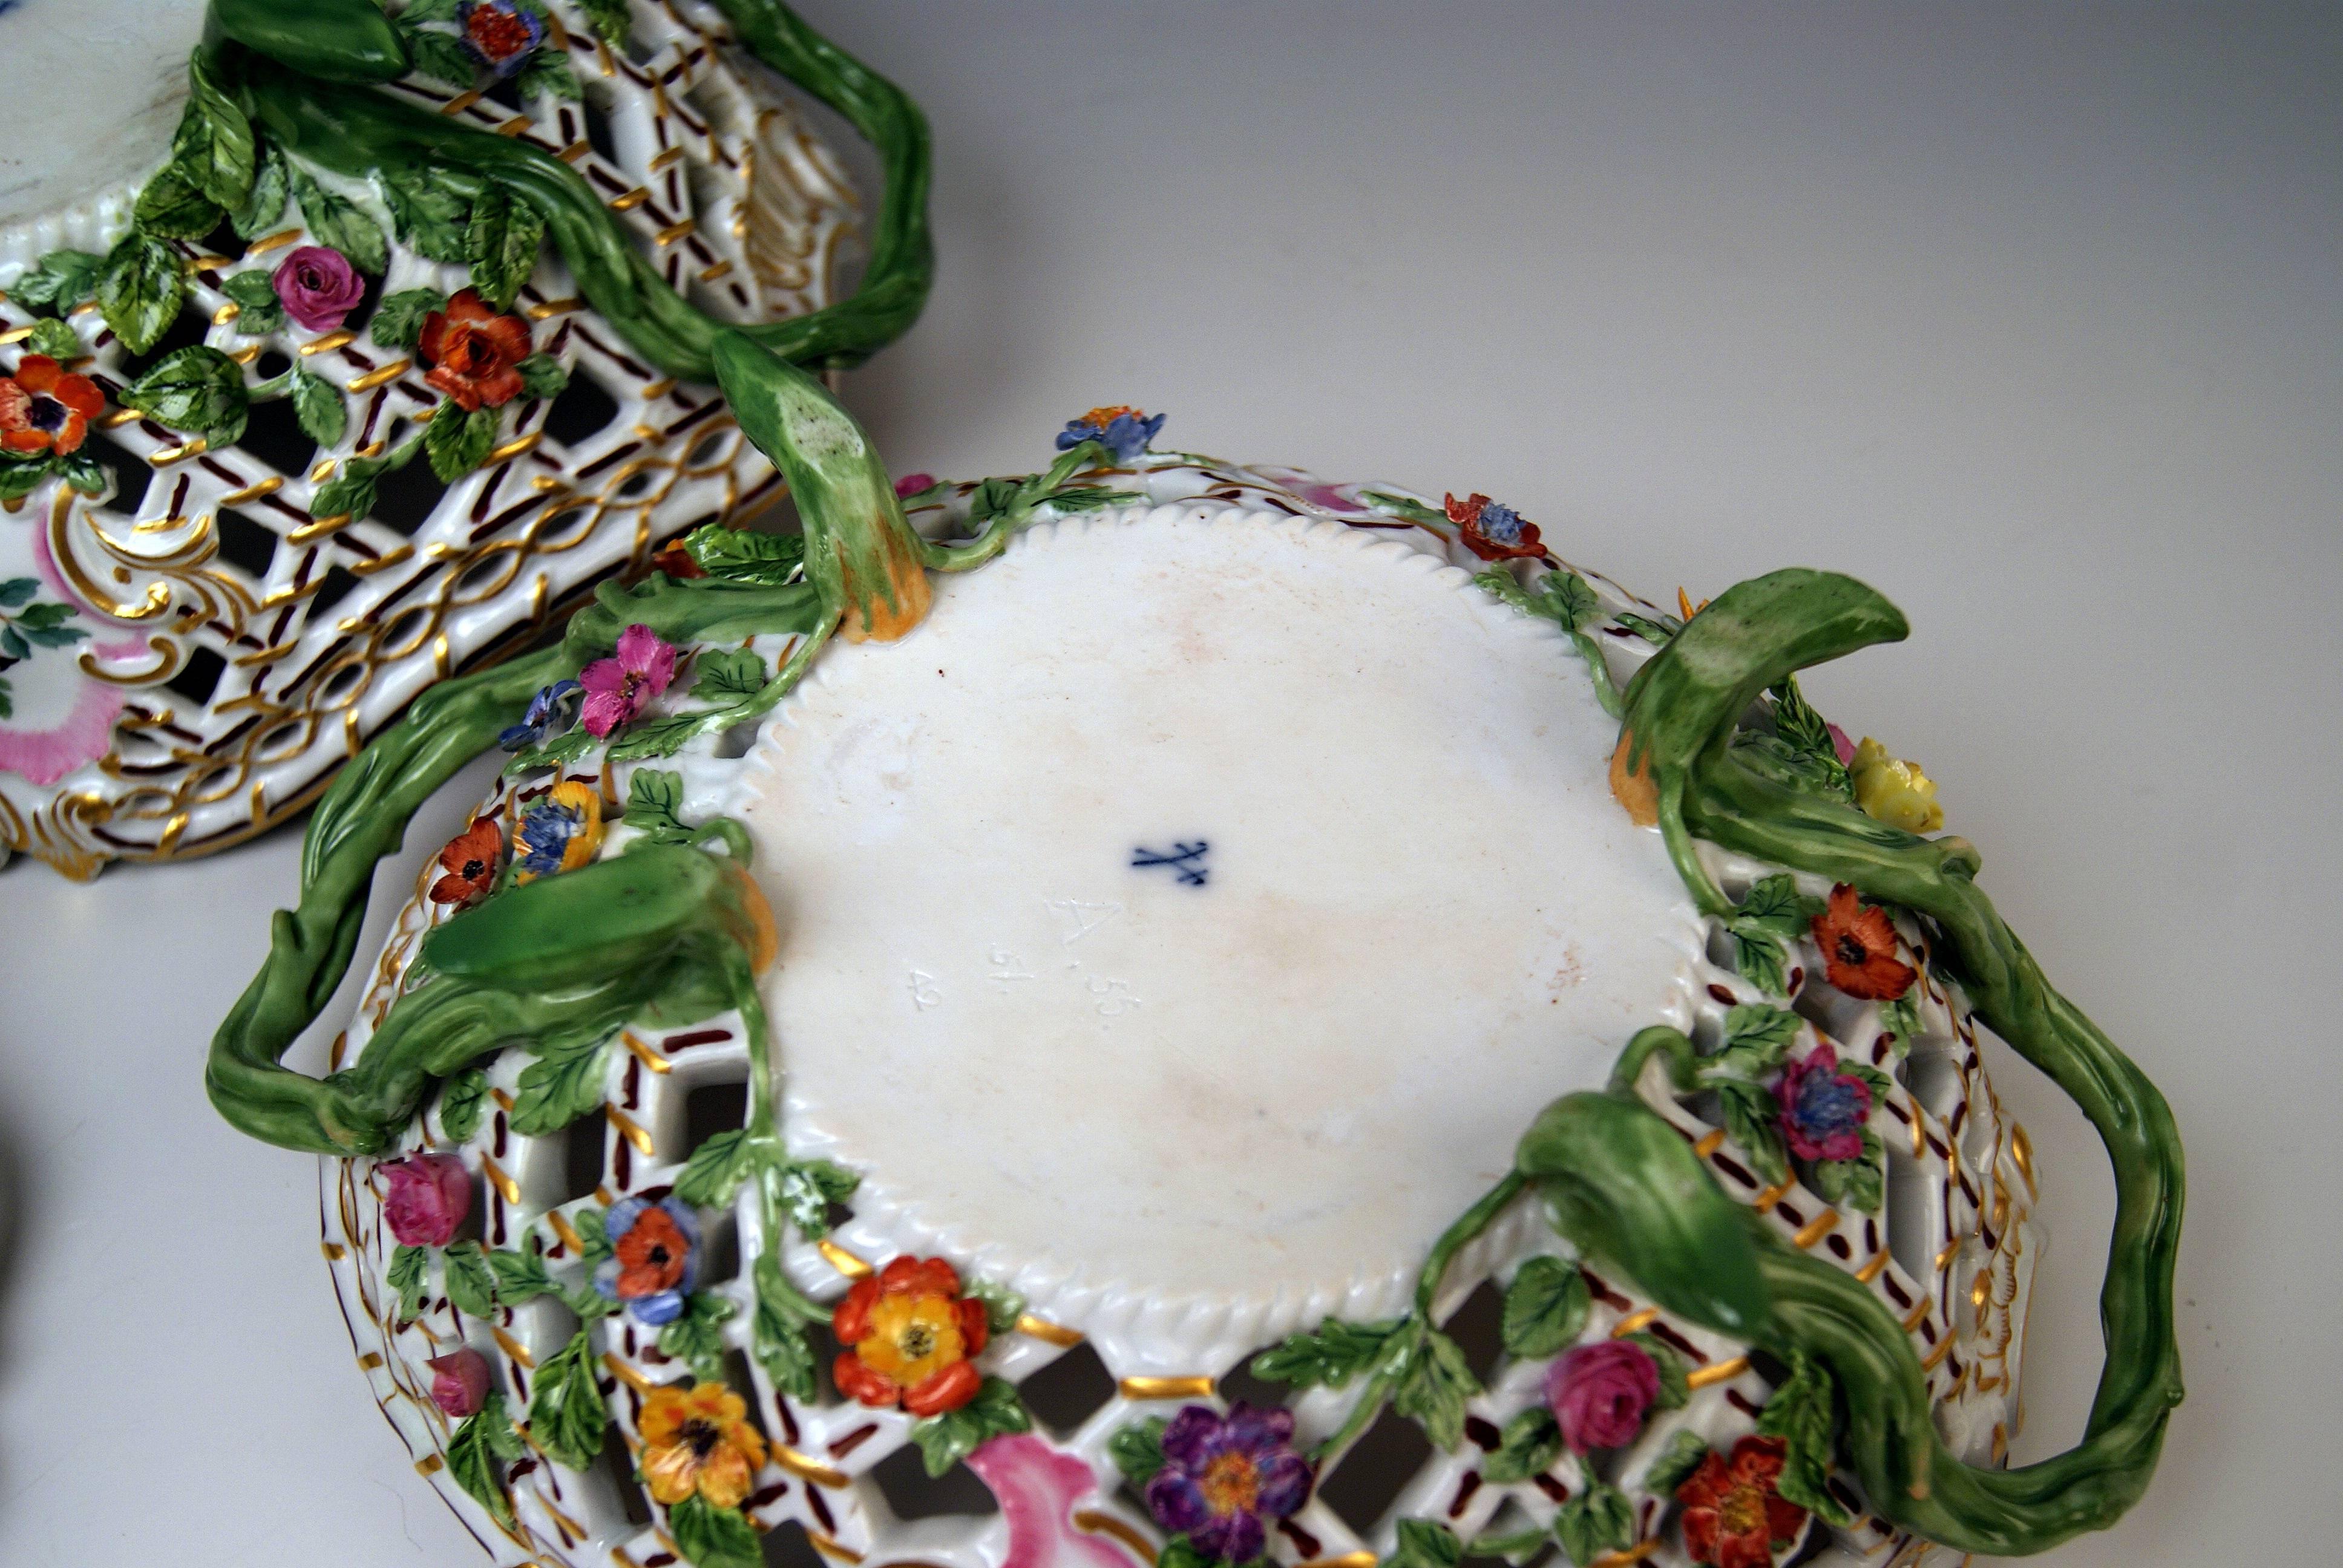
<point x="95" y="91"/>
<point x="1256" y="1098"/>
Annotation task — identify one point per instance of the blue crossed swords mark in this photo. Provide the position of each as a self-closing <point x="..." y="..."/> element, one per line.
<point x="1187" y="859"/>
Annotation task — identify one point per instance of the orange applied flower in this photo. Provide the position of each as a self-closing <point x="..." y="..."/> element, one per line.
<point x="909" y="1334"/>
<point x="699" y="1441"/>
<point x="469" y="861"/>
<point x="1858" y="943"/>
<point x="1733" y="1515"/>
<point x="42" y="409"/>
<point x="474" y="351"/>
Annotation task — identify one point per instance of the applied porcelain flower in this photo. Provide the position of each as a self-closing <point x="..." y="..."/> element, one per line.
<point x="468" y="864"/>
<point x="562" y="831"/>
<point x="1859" y="945"/>
<point x="427" y="1198"/>
<point x="1732" y="1516"/>
<point x="1493" y="531"/>
<point x="654" y="1259"/>
<point x="548" y="713"/>
<point x="44" y="409"/>
<point x="1601" y="1392"/>
<point x="911" y="485"/>
<point x="1897" y="793"/>
<point x="1225" y="1479"/>
<point x="698" y="1439"/>
<point x="459" y="1383"/>
<point x="473" y="352"/>
<point x="1123" y="430"/>
<point x="318" y="287"/>
<point x="617" y="689"/>
<point x="500" y="34"/>
<point x="911" y="1335"/>
<point x="1823" y="1108"/>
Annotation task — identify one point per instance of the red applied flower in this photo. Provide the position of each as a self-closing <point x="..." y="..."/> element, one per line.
<point x="1493" y="530"/>
<point x="469" y="862"/>
<point x="474" y="352"/>
<point x="1732" y="1516"/>
<point x="42" y="409"/>
<point x="1858" y="943"/>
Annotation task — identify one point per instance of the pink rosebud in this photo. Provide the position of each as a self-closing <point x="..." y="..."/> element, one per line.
<point x="318" y="285"/>
<point x="618" y="689"/>
<point x="429" y="1196"/>
<point x="912" y="484"/>
<point x="1599" y="1392"/>
<point x="459" y="1383"/>
<point x="1841" y="744"/>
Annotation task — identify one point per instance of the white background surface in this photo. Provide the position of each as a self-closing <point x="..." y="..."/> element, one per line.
<point x="2028" y="316"/>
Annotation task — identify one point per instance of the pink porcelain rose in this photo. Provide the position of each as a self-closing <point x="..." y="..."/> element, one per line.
<point x="318" y="287"/>
<point x="429" y="1196"/>
<point x="459" y="1383"/>
<point x="1601" y="1392"/>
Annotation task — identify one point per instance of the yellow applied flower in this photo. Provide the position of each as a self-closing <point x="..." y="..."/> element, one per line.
<point x="699" y="1441"/>
<point x="1896" y="792"/>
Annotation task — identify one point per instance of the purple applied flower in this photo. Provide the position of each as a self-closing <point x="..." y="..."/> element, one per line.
<point x="1225" y="1478"/>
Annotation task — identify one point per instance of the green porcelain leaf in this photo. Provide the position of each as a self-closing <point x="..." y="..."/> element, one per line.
<point x="1528" y="1446"/>
<point x="317" y="404"/>
<point x="566" y="1082"/>
<point x="1422" y="1543"/>
<point x="1800" y="1413"/>
<point x="502" y="245"/>
<point x="472" y="1454"/>
<point x="610" y="18"/>
<point x="1138" y="1451"/>
<point x="20" y="479"/>
<point x="1433" y="1387"/>
<point x="457" y="442"/>
<point x="727" y="674"/>
<point x="1761" y="961"/>
<point x="566" y="1412"/>
<point x="1598" y="1520"/>
<point x="593" y="1233"/>
<point x="718" y="1167"/>
<point x="1545" y="1308"/>
<point x="139" y="290"/>
<point x="63" y="280"/>
<point x="658" y="737"/>
<point x="56" y="338"/>
<point x="1807" y="736"/>
<point x="1675" y="1463"/>
<point x="471" y="1282"/>
<point x="713" y="1537"/>
<point x="654" y="801"/>
<point x="547" y="72"/>
<point x="1330" y="1358"/>
<point x="541" y="376"/>
<point x="1752" y="1118"/>
<point x="696" y="1337"/>
<point x="259" y="310"/>
<point x="809" y="1187"/>
<point x="337" y="221"/>
<point x="521" y="1276"/>
<point x="213" y="148"/>
<point x="439" y="56"/>
<point x="1756" y="1038"/>
<point x="461" y="1104"/>
<point x="1861" y="1183"/>
<point x="1674" y="1386"/>
<point x="1002" y="1306"/>
<point x="945" y="1440"/>
<point x="745" y="555"/>
<point x="432" y="216"/>
<point x="406" y="1274"/>
<point x="776" y="1337"/>
<point x="398" y="319"/>
<point x="197" y="389"/>
<point x="83" y="473"/>
<point x="272" y="185"/>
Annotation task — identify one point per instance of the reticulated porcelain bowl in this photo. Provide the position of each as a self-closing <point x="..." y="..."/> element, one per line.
<point x="1174" y="934"/>
<point x="288" y="434"/>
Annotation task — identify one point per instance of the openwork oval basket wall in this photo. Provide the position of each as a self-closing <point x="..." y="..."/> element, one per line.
<point x="275" y="501"/>
<point x="1154" y="1011"/>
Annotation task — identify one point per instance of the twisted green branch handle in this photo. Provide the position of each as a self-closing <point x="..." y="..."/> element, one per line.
<point x="1622" y="1184"/>
<point x="299" y="59"/>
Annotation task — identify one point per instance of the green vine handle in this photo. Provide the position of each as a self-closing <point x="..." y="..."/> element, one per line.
<point x="853" y="526"/>
<point x="1625" y="1186"/>
<point x="296" y="59"/>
